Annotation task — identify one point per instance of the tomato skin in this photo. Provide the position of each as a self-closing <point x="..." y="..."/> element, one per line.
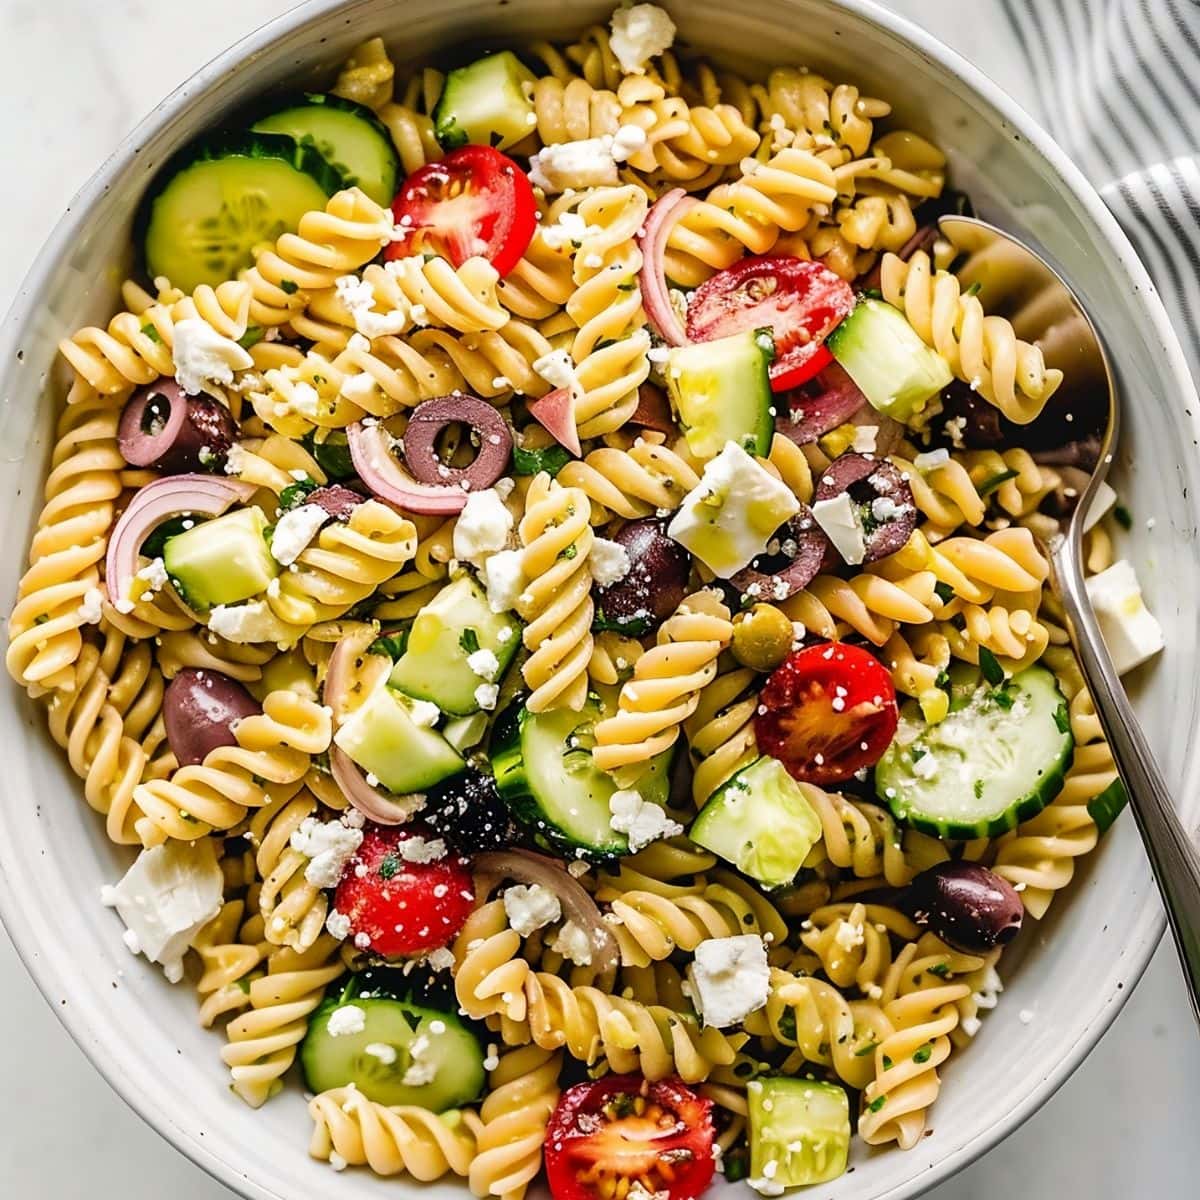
<point x="402" y="907"/>
<point x="590" y="1140"/>
<point x="799" y="300"/>
<point x="803" y="717"/>
<point x="475" y="201"/>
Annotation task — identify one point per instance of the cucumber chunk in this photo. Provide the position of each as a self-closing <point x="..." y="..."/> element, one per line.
<point x="761" y="822"/>
<point x="544" y="771"/>
<point x="347" y="136"/>
<point x="220" y="196"/>
<point x="221" y="561"/>
<point x="382" y="737"/>
<point x="455" y="624"/>
<point x="884" y="355"/>
<point x="394" y="1052"/>
<point x="721" y="392"/>
<point x="802" y="1127"/>
<point x="997" y="759"/>
<point x="488" y="103"/>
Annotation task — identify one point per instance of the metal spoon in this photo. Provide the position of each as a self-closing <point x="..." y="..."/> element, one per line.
<point x="1013" y="281"/>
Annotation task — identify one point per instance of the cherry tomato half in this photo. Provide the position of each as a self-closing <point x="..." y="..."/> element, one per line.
<point x="800" y="301"/>
<point x="827" y="711"/>
<point x="475" y="201"/>
<point x="399" y="907"/>
<point x="623" y="1128"/>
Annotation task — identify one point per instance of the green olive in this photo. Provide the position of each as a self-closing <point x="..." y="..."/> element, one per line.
<point x="762" y="637"/>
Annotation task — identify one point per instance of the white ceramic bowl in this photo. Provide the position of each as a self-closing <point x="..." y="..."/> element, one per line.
<point x="1076" y="968"/>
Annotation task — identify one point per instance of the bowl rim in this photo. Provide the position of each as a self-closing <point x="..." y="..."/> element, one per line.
<point x="76" y="1018"/>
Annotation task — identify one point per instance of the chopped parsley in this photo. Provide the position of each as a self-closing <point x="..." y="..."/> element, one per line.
<point x="551" y="459"/>
<point x="569" y="552"/>
<point x="923" y="1055"/>
<point x="288" y="287"/>
<point x="944" y="592"/>
<point x="1062" y="719"/>
<point x="877" y="1104"/>
<point x="152" y="333"/>
<point x="978" y="789"/>
<point x="296" y="493"/>
<point x="390" y="867"/>
<point x="993" y="672"/>
<point x="253" y="335"/>
<point x="390" y="645"/>
<point x="468" y="642"/>
<point x="941" y="970"/>
<point x="990" y="484"/>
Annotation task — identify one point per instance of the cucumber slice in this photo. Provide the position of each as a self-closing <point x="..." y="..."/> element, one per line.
<point x="544" y="771"/>
<point x="884" y="355"/>
<point x="332" y="452"/>
<point x="488" y="103"/>
<point x="382" y="737"/>
<point x="761" y="822"/>
<point x="997" y="759"/>
<point x="347" y="136"/>
<point x="395" y="1053"/>
<point x="220" y="196"/>
<point x="721" y="391"/>
<point x="455" y="624"/>
<point x="221" y="561"/>
<point x="801" y="1126"/>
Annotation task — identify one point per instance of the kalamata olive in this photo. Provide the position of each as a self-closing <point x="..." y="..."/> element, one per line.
<point x="468" y="812"/>
<point x="163" y="428"/>
<point x="828" y="400"/>
<point x="489" y="433"/>
<point x="654" y="585"/>
<point x="653" y="410"/>
<point x="882" y="495"/>
<point x="793" y="558"/>
<point x="966" y="905"/>
<point x="762" y="637"/>
<point x="338" y="501"/>
<point x="200" y="710"/>
<point x="975" y="423"/>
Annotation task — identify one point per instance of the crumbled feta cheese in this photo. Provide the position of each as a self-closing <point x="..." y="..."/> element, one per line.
<point x="484" y="663"/>
<point x="609" y="562"/>
<point x="153" y="575"/>
<point x="303" y="399"/>
<point x="382" y="1052"/>
<point x="441" y="959"/>
<point x="1102" y="501"/>
<point x="358" y="297"/>
<point x="639" y="33"/>
<point x="1025" y="1016"/>
<point x="346" y="1020"/>
<point x="572" y="942"/>
<point x="838" y="517"/>
<point x="424" y="713"/>
<point x="235" y="459"/>
<point x="864" y="439"/>
<point x="505" y="577"/>
<point x="849" y="935"/>
<point x="954" y="430"/>
<point x="766" y="1186"/>
<point x="569" y="229"/>
<point x="294" y="530"/>
<point x="358" y="386"/>
<point x="582" y="164"/>
<point x="486" y="695"/>
<point x="884" y="508"/>
<point x="165" y="898"/>
<point x="337" y="925"/>
<point x="418" y="849"/>
<point x="931" y="459"/>
<point x="328" y="846"/>
<point x="91" y="610"/>
<point x="557" y="368"/>
<point x="252" y="622"/>
<point x="641" y="820"/>
<point x="925" y="767"/>
<point x="627" y="141"/>
<point x="531" y="908"/>
<point x="1131" y="632"/>
<point x="421" y="1070"/>
<point x="733" y="512"/>
<point x="730" y="978"/>
<point x="482" y="527"/>
<point x="203" y="356"/>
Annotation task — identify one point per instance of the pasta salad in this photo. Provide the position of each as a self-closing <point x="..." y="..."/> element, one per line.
<point x="545" y="570"/>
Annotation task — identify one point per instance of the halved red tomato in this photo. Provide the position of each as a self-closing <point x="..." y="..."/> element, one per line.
<point x="622" y="1130"/>
<point x="800" y="301"/>
<point x="827" y="711"/>
<point x="475" y="201"/>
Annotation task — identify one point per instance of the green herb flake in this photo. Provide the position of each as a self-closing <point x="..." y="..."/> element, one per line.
<point x="876" y="1104"/>
<point x="552" y="459"/>
<point x="288" y="287"/>
<point x="990" y="484"/>
<point x="468" y="642"/>
<point x="149" y="331"/>
<point x="887" y="1063"/>
<point x="923" y="1055"/>
<point x="390" y="867"/>
<point x="944" y="592"/>
<point x="974" y="289"/>
<point x="389" y="645"/>
<point x="863" y="1051"/>
<point x="41" y="619"/>
<point x="1123" y="516"/>
<point x="993" y="672"/>
<point x="941" y="970"/>
<point x="978" y="789"/>
<point x="1003" y="698"/>
<point x="1105" y="808"/>
<point x="296" y="493"/>
<point x="1062" y="719"/>
<point x="918" y="753"/>
<point x="253" y="335"/>
<point x="569" y="552"/>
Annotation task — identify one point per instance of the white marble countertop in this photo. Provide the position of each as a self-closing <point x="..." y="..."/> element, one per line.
<point x="77" y="74"/>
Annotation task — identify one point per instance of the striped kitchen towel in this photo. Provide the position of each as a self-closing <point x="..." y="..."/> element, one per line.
<point x="1118" y="85"/>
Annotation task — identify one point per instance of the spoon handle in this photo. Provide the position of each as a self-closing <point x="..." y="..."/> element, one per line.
<point x="1173" y="856"/>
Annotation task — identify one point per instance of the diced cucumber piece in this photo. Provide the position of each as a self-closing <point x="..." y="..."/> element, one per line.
<point x="457" y="623"/>
<point x="1105" y="808"/>
<point x="799" y="1131"/>
<point x="347" y="136"/>
<point x="997" y="759"/>
<point x="885" y="356"/>
<point x="464" y="733"/>
<point x="382" y="738"/>
<point x="221" y="561"/>
<point x="721" y="392"/>
<point x="545" y="773"/>
<point x="220" y="196"/>
<point x="332" y="452"/>
<point x="761" y="822"/>
<point x="394" y="1052"/>
<point x="487" y="103"/>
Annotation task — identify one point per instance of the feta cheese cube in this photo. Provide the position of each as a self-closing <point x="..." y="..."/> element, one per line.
<point x="294" y="530"/>
<point x="531" y="908"/>
<point x="328" y="846"/>
<point x="839" y="519"/>
<point x="203" y="356"/>
<point x="251" y="622"/>
<point x="582" y="164"/>
<point x="641" y="820"/>
<point x="730" y="978"/>
<point x="609" y="562"/>
<point x="482" y="527"/>
<point x="639" y="33"/>
<point x="734" y="511"/>
<point x="1131" y="632"/>
<point x="504" y="577"/>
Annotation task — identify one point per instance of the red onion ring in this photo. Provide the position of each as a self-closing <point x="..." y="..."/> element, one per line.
<point x="527" y="867"/>
<point x="663" y="216"/>
<point x="431" y="417"/>
<point x="389" y="480"/>
<point x="555" y="413"/>
<point x="174" y="496"/>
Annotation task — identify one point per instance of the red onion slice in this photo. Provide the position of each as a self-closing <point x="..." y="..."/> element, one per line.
<point x="430" y="418"/>
<point x="555" y="412"/>
<point x="663" y="216"/>
<point x="389" y="480"/>
<point x="577" y="905"/>
<point x="175" y="496"/>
